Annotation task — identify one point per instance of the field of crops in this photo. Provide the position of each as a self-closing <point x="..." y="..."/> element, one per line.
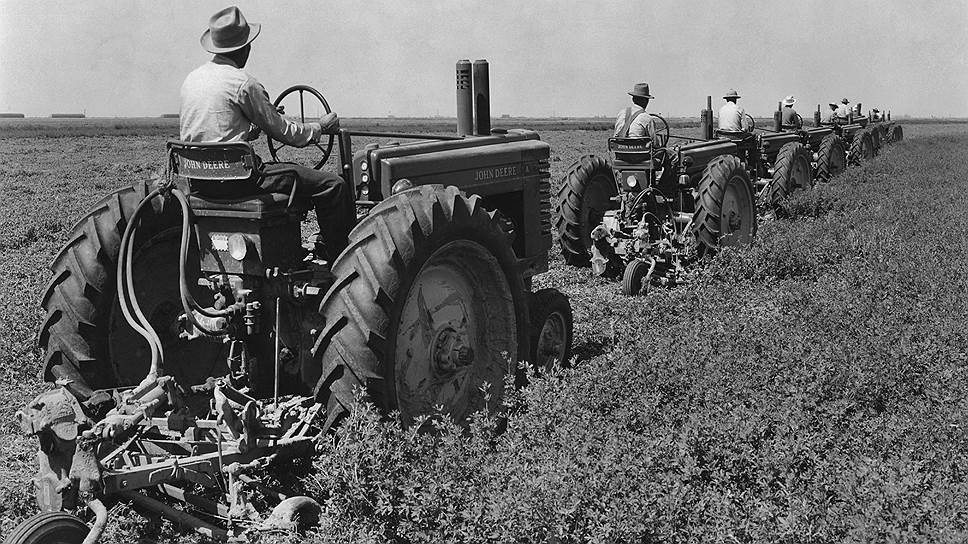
<point x="810" y="388"/>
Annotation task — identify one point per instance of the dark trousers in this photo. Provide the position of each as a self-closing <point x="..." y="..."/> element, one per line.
<point x="332" y="196"/>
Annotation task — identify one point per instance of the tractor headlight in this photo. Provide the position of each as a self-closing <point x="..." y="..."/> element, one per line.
<point x="401" y="186"/>
<point x="238" y="246"/>
<point x="631" y="182"/>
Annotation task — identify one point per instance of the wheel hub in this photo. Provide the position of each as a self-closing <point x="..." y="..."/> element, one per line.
<point x="451" y="352"/>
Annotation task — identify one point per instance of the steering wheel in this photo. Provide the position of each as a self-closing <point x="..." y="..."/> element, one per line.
<point x="666" y="125"/>
<point x="752" y="122"/>
<point x="276" y="146"/>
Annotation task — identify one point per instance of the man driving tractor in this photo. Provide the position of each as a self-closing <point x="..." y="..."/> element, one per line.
<point x="731" y="115"/>
<point x="220" y="102"/>
<point x="634" y="122"/>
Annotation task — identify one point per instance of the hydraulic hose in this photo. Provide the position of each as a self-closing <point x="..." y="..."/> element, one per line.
<point x="188" y="302"/>
<point x="125" y="287"/>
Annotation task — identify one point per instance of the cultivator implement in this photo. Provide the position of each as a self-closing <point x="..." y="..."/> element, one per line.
<point x="203" y="447"/>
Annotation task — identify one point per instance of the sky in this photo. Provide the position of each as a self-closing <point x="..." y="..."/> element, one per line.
<point x="547" y="57"/>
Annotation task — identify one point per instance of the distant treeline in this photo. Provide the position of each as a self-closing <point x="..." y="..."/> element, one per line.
<point x="67" y="116"/>
<point x="11" y="116"/>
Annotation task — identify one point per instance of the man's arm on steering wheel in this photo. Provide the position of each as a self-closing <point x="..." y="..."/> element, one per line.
<point x="254" y="102"/>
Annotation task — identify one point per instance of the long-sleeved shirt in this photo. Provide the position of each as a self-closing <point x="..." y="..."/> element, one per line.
<point x="220" y="102"/>
<point x="642" y="125"/>
<point x="789" y="117"/>
<point x="831" y="117"/>
<point x="843" y="111"/>
<point x="731" y="117"/>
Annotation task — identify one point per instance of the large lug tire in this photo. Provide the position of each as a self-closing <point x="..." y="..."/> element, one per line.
<point x="552" y="329"/>
<point x="831" y="158"/>
<point x="86" y="339"/>
<point x="791" y="173"/>
<point x="584" y="197"/>
<point x="897" y="133"/>
<point x="49" y="528"/>
<point x="427" y="306"/>
<point x="875" y="133"/>
<point x="725" y="206"/>
<point x="861" y="148"/>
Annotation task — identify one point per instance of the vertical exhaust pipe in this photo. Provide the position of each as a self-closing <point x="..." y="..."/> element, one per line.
<point x="816" y="117"/>
<point x="465" y="99"/>
<point x="778" y="117"/>
<point x="482" y="98"/>
<point x="706" y="119"/>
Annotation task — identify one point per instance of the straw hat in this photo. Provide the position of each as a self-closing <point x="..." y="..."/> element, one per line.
<point x="788" y="101"/>
<point x="229" y="31"/>
<point x="731" y="94"/>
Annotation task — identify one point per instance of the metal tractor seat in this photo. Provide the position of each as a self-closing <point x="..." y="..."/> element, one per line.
<point x="223" y="177"/>
<point x="631" y="150"/>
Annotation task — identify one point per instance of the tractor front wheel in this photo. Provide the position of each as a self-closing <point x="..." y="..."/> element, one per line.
<point x="551" y="328"/>
<point x="427" y="308"/>
<point x="584" y="197"/>
<point x="897" y="133"/>
<point x="831" y="158"/>
<point x="725" y="206"/>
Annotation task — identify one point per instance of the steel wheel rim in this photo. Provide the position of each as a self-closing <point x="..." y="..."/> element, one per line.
<point x="736" y="213"/>
<point x="552" y="340"/>
<point x="156" y="286"/>
<point x="451" y="337"/>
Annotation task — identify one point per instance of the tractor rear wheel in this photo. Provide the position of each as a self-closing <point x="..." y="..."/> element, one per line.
<point x="583" y="199"/>
<point x="49" y="528"/>
<point x="875" y="133"/>
<point x="897" y="133"/>
<point x="86" y="339"/>
<point x="791" y="173"/>
<point x="427" y="306"/>
<point x="552" y="325"/>
<point x="861" y="148"/>
<point x="725" y="206"/>
<point x="831" y="158"/>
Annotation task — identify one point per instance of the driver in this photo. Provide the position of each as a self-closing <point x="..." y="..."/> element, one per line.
<point x="731" y="115"/>
<point x="634" y="122"/>
<point x="220" y="102"/>
<point x="789" y="118"/>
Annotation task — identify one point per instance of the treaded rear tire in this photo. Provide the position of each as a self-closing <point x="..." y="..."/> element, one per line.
<point x="706" y="222"/>
<point x="373" y="277"/>
<point x="545" y="303"/>
<point x="831" y="158"/>
<point x="897" y="133"/>
<point x="79" y="297"/>
<point x="783" y="183"/>
<point x="587" y="178"/>
<point x="49" y="528"/>
<point x="861" y="148"/>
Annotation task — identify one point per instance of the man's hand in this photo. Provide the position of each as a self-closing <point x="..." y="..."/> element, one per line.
<point x="329" y="123"/>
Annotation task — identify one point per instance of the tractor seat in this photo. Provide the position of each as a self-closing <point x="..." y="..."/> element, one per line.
<point x="735" y="135"/>
<point x="223" y="177"/>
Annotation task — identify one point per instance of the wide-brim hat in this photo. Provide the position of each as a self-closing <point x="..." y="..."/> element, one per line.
<point x="641" y="89"/>
<point x="845" y="101"/>
<point x="731" y="94"/>
<point x="229" y="31"/>
<point x="789" y="101"/>
<point x="834" y="104"/>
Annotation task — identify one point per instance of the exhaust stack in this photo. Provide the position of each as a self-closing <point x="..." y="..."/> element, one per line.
<point x="473" y="98"/>
<point x="706" y="119"/>
<point x="465" y="99"/>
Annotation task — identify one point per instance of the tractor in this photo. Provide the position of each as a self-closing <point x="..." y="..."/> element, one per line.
<point x="656" y="207"/>
<point x="860" y="143"/>
<point x="196" y="342"/>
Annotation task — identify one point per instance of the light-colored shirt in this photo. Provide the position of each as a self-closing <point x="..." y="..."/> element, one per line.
<point x="642" y="126"/>
<point x="843" y="111"/>
<point x="731" y="117"/>
<point x="789" y="117"/>
<point x="222" y="103"/>
<point x="832" y="117"/>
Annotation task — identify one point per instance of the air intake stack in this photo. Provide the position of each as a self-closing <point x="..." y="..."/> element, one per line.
<point x="473" y="98"/>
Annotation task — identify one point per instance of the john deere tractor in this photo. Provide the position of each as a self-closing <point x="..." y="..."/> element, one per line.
<point x="858" y="139"/>
<point x="196" y="341"/>
<point x="657" y="206"/>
